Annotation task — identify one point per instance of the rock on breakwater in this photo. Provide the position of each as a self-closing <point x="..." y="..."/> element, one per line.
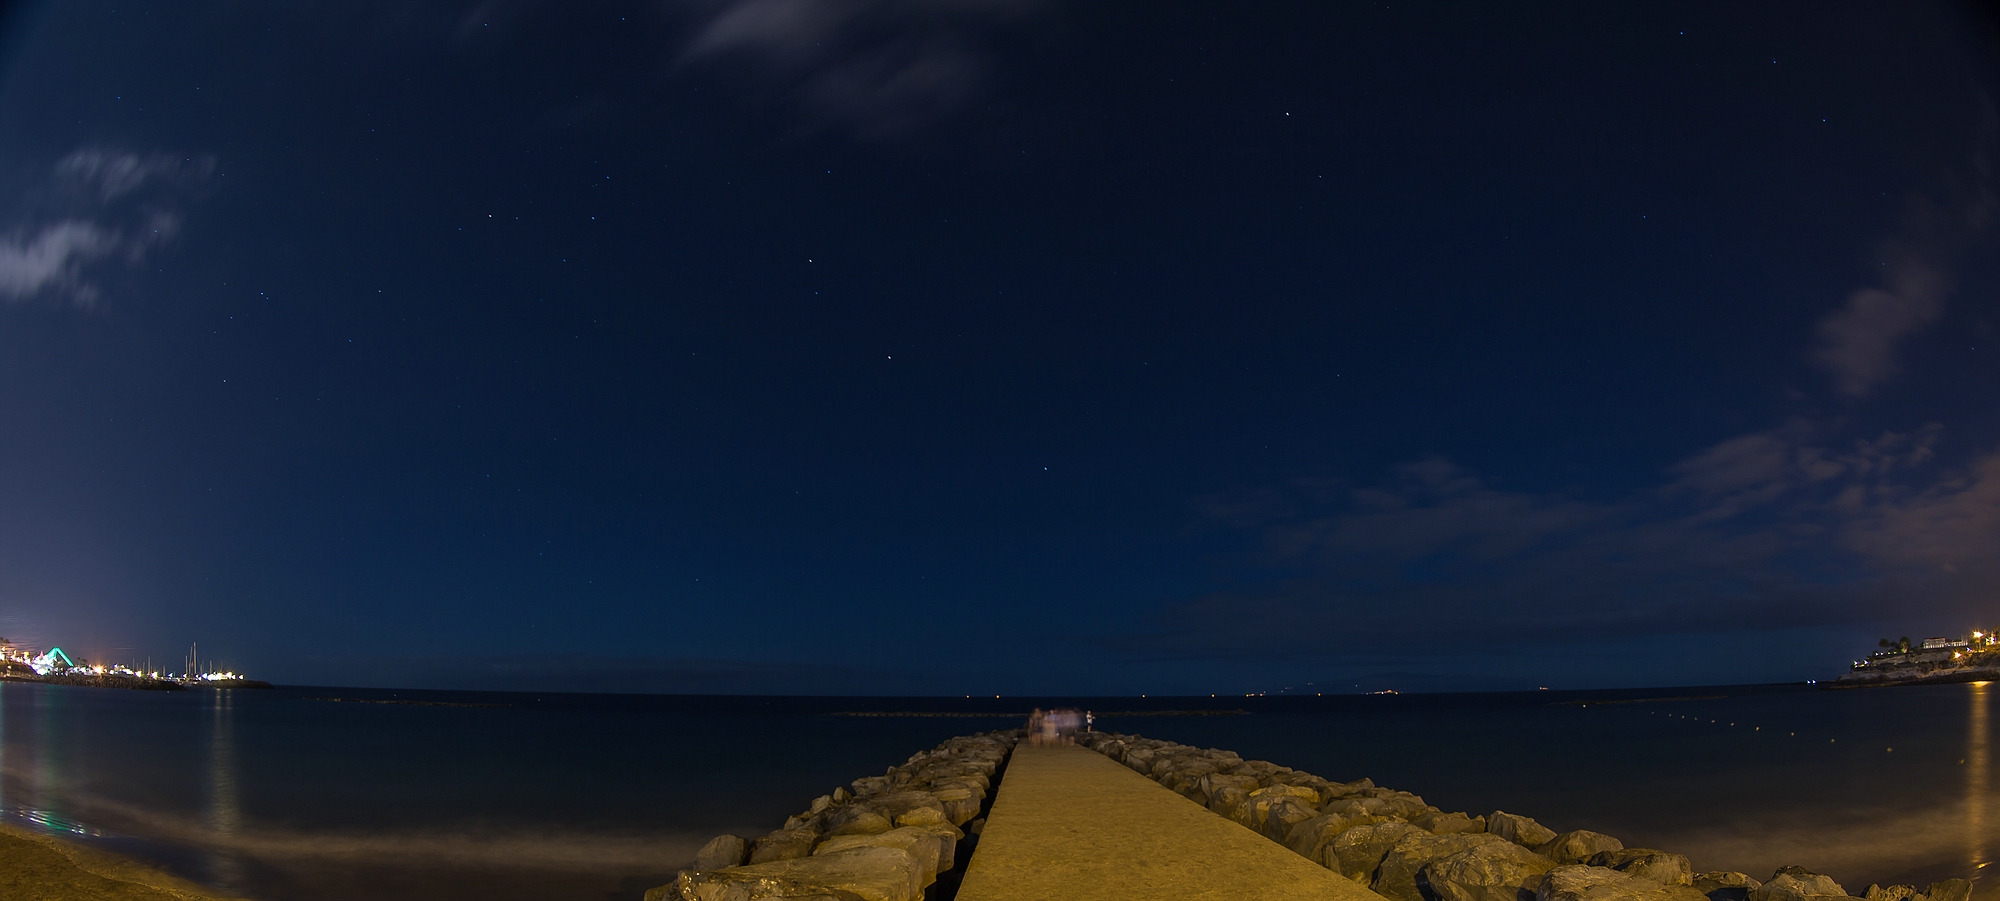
<point x="1408" y="850"/>
<point x="887" y="838"/>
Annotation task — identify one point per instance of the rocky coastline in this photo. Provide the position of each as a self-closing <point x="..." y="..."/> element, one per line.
<point x="885" y="838"/>
<point x="1407" y="850"/>
<point x="1986" y="669"/>
<point x="1972" y="657"/>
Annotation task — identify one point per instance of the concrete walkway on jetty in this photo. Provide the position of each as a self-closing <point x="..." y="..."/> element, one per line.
<point x="1071" y="823"/>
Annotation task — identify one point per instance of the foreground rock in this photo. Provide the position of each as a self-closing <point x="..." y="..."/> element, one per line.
<point x="886" y="839"/>
<point x="1662" y="867"/>
<point x="1796" y="884"/>
<point x="1588" y="883"/>
<point x="868" y="874"/>
<point x="1520" y="830"/>
<point x="1493" y="870"/>
<point x="1358" y="852"/>
<point x="1579" y="846"/>
<point x="1396" y="877"/>
<point x="1725" y="886"/>
<point x="722" y="851"/>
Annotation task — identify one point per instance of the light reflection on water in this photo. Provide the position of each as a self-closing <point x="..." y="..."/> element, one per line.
<point x="1977" y="793"/>
<point x="41" y="806"/>
<point x="50" y="763"/>
<point x="225" y="813"/>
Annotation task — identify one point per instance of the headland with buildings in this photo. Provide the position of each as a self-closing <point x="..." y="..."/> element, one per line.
<point x="1974" y="657"/>
<point x="55" y="667"/>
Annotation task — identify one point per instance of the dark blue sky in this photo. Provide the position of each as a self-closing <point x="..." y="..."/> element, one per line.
<point x="977" y="346"/>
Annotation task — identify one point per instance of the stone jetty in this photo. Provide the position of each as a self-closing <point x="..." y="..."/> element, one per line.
<point x="885" y="838"/>
<point x="1136" y="819"/>
<point x="1407" y="850"/>
<point x="1070" y="824"/>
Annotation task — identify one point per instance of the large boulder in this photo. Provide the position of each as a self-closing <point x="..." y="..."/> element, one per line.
<point x="1949" y="890"/>
<point x="1175" y="758"/>
<point x="1357" y="853"/>
<point x="1578" y="846"/>
<point x="1586" y="883"/>
<point x="961" y="800"/>
<point x="1724" y="885"/>
<point x="1321" y="788"/>
<point x="1798" y="884"/>
<point x="1214" y="782"/>
<point x="1449" y="823"/>
<point x="1262" y="769"/>
<point x="1401" y="804"/>
<point x="1396" y="878"/>
<point x="1254" y="811"/>
<point x="722" y="851"/>
<point x="860" y="874"/>
<point x="1520" y="830"/>
<point x="1184" y="776"/>
<point x="1575" y="882"/>
<point x="1245" y="809"/>
<point x="911" y="808"/>
<point x="784" y="844"/>
<point x="859" y="818"/>
<point x="870" y="785"/>
<point x="933" y="846"/>
<point x="1225" y="791"/>
<point x="1663" y="867"/>
<point x="1493" y="870"/>
<point x="1310" y="838"/>
<point x="1279" y="818"/>
<point x="1359" y="806"/>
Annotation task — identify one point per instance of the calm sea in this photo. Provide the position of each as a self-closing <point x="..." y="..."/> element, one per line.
<point x="287" y="794"/>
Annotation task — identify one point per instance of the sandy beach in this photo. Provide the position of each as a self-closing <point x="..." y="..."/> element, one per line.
<point x="36" y="867"/>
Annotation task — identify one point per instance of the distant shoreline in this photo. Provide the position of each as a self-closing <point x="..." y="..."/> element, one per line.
<point x="128" y="683"/>
<point x="406" y="703"/>
<point x="1023" y="714"/>
<point x="1889" y="678"/>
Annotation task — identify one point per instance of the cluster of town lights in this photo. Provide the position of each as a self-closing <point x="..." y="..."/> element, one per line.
<point x="55" y="662"/>
<point x="1977" y="642"/>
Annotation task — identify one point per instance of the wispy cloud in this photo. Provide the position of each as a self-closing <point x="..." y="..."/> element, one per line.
<point x="1794" y="526"/>
<point x="53" y="256"/>
<point x="1774" y="529"/>
<point x="1857" y="343"/>
<point x="97" y="207"/>
<point x="881" y="68"/>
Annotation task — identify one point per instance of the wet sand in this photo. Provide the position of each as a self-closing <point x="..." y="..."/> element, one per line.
<point x="35" y="867"/>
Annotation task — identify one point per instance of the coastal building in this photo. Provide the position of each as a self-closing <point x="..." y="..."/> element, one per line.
<point x="1930" y="651"/>
<point x="1938" y="659"/>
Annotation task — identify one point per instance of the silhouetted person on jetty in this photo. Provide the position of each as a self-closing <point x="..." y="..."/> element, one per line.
<point x="1054" y="728"/>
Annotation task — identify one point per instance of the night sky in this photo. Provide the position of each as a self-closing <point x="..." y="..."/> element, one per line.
<point x="998" y="346"/>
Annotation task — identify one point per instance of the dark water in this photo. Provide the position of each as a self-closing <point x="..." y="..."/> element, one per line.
<point x="281" y="795"/>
